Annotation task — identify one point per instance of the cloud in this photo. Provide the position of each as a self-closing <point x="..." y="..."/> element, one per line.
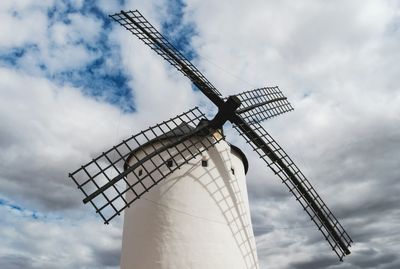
<point x="48" y="135"/>
<point x="56" y="242"/>
<point x="17" y="28"/>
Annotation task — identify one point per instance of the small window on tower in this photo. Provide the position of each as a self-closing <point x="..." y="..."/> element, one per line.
<point x="204" y="163"/>
<point x="170" y="163"/>
<point x="233" y="171"/>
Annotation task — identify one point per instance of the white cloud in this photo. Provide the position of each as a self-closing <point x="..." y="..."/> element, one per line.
<point x="67" y="34"/>
<point x="50" y="243"/>
<point x="22" y="22"/>
<point x="50" y="129"/>
<point x="157" y="84"/>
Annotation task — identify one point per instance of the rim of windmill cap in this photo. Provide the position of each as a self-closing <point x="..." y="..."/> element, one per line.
<point x="179" y="131"/>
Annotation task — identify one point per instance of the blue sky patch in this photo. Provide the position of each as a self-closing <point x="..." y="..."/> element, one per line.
<point x="178" y="32"/>
<point x="97" y="79"/>
<point x="27" y="213"/>
<point x="10" y="57"/>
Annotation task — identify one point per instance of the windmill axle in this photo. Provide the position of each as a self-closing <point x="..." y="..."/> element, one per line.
<point x="225" y="112"/>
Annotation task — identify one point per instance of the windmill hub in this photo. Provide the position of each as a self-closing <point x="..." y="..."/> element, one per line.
<point x="225" y="112"/>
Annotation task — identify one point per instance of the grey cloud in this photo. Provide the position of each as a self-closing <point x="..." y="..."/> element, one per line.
<point x="372" y="259"/>
<point x="107" y="257"/>
<point x="16" y="262"/>
<point x="320" y="262"/>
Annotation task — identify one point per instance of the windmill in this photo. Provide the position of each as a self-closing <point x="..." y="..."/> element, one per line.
<point x="155" y="155"/>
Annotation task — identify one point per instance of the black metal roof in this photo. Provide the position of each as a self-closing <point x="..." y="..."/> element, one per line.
<point x="182" y="129"/>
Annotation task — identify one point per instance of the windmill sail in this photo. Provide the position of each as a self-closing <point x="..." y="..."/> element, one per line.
<point x="158" y="151"/>
<point x="134" y="22"/>
<point x="283" y="166"/>
<point x="261" y="104"/>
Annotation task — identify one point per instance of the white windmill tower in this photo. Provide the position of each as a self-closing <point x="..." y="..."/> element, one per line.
<point x="197" y="217"/>
<point x="191" y="207"/>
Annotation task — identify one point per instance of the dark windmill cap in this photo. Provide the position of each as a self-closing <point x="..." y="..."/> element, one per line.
<point x="179" y="131"/>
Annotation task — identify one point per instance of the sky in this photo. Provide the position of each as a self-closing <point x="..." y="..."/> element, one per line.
<point x="73" y="83"/>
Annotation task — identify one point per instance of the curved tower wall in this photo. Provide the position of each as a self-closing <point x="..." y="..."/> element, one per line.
<point x="198" y="217"/>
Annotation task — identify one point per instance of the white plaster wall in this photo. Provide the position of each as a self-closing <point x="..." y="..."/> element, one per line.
<point x="198" y="217"/>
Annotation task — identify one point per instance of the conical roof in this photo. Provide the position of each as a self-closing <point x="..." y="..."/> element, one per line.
<point x="180" y="130"/>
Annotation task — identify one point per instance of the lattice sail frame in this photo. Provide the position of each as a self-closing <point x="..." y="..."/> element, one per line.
<point x="294" y="188"/>
<point x="134" y="22"/>
<point x="177" y="139"/>
<point x="262" y="104"/>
